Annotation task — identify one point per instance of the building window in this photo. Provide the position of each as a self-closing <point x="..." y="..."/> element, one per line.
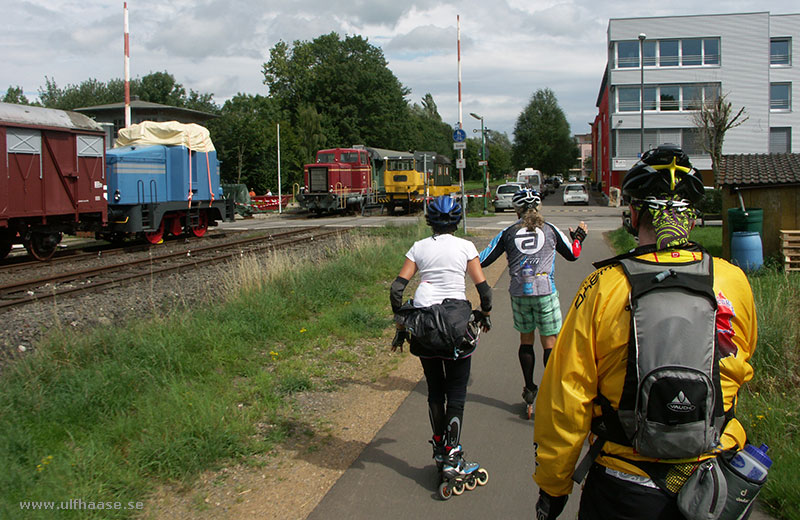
<point x="692" y="52"/>
<point x="668" y="53"/>
<point x="780" y="140"/>
<point x="689" y="52"/>
<point x="666" y="98"/>
<point x="626" y="143"/>
<point x="627" y="54"/>
<point x="711" y="51"/>
<point x="780" y="51"/>
<point x="780" y="96"/>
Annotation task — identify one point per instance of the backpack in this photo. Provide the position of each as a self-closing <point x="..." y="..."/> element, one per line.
<point x="671" y="404"/>
<point x="442" y="330"/>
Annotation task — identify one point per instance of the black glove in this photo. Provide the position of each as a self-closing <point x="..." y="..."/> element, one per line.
<point x="399" y="338"/>
<point x="579" y="234"/>
<point x="549" y="507"/>
<point x="483" y="320"/>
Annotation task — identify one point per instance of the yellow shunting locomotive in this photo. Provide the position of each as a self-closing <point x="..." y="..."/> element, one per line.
<point x="410" y="177"/>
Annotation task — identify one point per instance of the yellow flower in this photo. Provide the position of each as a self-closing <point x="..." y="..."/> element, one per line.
<point x="759" y="417"/>
<point x="302" y="330"/>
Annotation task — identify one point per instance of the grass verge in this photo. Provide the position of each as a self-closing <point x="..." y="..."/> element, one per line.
<point x="768" y="403"/>
<point x="102" y="417"/>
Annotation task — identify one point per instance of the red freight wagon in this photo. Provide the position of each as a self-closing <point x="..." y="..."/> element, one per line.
<point x="52" y="178"/>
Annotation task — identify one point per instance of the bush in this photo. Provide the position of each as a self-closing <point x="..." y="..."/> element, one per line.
<point x="711" y="203"/>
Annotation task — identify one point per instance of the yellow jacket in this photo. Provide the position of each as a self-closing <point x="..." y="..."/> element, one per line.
<point x="591" y="353"/>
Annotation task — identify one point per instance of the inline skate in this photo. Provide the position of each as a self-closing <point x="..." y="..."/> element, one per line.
<point x="529" y="396"/>
<point x="458" y="474"/>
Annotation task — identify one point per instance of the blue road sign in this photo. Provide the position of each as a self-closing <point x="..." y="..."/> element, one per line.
<point x="459" y="135"/>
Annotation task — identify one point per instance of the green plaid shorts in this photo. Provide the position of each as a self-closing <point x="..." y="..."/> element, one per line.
<point x="537" y="312"/>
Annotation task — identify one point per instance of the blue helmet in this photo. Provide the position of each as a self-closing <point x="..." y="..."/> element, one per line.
<point x="443" y="211"/>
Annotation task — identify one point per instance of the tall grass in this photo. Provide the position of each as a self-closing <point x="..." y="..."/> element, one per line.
<point x="105" y="416"/>
<point x="768" y="404"/>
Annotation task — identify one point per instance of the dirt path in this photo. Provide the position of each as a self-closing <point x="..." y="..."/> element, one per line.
<point x="289" y="482"/>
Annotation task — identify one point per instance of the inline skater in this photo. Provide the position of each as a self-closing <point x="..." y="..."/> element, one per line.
<point x="587" y="385"/>
<point x="530" y="246"/>
<point x="440" y="302"/>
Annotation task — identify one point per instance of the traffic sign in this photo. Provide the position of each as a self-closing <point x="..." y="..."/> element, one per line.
<point x="483" y="163"/>
<point x="459" y="135"/>
<point x="461" y="163"/>
<point x="459" y="146"/>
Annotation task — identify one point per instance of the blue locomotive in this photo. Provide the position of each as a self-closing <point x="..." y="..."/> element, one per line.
<point x="164" y="179"/>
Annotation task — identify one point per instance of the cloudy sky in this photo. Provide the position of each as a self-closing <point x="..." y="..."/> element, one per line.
<point x="509" y="48"/>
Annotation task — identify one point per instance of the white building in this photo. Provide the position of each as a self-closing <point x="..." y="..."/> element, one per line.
<point x="749" y="57"/>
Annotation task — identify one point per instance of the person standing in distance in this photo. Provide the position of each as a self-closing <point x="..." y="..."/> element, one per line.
<point x="530" y="246"/>
<point x="442" y="261"/>
<point x="586" y="388"/>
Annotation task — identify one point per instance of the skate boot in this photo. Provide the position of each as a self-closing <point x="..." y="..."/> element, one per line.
<point x="458" y="474"/>
<point x="438" y="453"/>
<point x="529" y="396"/>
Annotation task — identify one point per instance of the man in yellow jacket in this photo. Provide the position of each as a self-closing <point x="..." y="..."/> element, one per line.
<point x="590" y="357"/>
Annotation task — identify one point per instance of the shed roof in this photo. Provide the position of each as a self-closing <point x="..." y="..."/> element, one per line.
<point x="146" y="106"/>
<point x="40" y="116"/>
<point x="766" y="169"/>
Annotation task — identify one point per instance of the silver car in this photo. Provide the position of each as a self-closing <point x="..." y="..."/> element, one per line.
<point x="576" y="193"/>
<point x="504" y="194"/>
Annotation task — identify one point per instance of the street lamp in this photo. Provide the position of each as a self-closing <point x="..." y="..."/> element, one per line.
<point x="483" y="158"/>
<point x="642" y="36"/>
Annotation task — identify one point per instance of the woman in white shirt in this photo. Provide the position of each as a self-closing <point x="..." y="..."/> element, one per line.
<point x="442" y="261"/>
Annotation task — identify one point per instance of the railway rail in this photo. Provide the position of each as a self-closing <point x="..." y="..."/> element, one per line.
<point x="99" y="278"/>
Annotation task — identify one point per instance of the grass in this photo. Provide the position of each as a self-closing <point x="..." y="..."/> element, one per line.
<point x="107" y="416"/>
<point x="768" y="403"/>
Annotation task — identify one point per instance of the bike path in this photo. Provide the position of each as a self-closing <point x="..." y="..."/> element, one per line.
<point x="395" y="477"/>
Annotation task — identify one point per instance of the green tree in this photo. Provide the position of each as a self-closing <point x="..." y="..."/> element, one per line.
<point x="542" y="137"/>
<point x="246" y="141"/>
<point x="498" y="152"/>
<point x="15" y="95"/>
<point x="347" y="82"/>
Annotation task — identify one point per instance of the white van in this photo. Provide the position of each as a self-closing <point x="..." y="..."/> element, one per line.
<point x="532" y="178"/>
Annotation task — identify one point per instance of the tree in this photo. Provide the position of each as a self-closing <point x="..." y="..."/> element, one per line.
<point x="246" y="142"/>
<point x="347" y="82"/>
<point x="542" y="137"/>
<point x="713" y="120"/>
<point x="15" y="95"/>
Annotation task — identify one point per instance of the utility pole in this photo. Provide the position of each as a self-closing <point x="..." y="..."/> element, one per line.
<point x="642" y="37"/>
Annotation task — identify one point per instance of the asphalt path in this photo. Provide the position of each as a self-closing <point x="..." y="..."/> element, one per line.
<point x="395" y="476"/>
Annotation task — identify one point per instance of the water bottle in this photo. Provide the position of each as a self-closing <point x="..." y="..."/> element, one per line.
<point x="752" y="462"/>
<point x="527" y="279"/>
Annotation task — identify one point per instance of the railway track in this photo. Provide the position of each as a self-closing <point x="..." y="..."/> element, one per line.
<point x="125" y="271"/>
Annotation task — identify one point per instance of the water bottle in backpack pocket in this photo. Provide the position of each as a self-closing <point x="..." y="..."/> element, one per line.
<point x="527" y="278"/>
<point x="745" y="472"/>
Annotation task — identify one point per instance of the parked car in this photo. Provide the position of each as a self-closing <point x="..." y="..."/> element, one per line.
<point x="504" y="194"/>
<point x="576" y="193"/>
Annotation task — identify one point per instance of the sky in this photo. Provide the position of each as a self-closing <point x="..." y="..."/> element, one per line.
<point x="509" y="48"/>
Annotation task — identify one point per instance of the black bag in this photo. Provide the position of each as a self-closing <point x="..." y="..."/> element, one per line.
<point x="438" y="330"/>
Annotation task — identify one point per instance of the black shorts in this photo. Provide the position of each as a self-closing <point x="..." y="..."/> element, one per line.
<point x="606" y="497"/>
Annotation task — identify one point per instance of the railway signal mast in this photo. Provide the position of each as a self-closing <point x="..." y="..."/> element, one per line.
<point x="127" y="68"/>
<point x="459" y="134"/>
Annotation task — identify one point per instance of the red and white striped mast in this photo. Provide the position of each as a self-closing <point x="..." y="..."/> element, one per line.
<point x="460" y="127"/>
<point x="127" y="69"/>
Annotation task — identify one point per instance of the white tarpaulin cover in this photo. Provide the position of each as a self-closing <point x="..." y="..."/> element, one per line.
<point x="170" y="133"/>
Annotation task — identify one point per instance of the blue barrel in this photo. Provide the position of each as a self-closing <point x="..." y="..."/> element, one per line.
<point x="746" y="250"/>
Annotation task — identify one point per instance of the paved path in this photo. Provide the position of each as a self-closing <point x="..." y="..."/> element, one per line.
<point x="395" y="478"/>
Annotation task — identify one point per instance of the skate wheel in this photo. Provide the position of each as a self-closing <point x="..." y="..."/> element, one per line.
<point x="445" y="491"/>
<point x="482" y="477"/>
<point x="458" y="488"/>
<point x="471" y="483"/>
<point x="530" y="411"/>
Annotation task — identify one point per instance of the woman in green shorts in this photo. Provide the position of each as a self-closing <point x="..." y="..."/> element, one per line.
<point x="530" y="246"/>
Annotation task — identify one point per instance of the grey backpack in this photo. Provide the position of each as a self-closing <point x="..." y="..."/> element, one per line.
<point x="671" y="404"/>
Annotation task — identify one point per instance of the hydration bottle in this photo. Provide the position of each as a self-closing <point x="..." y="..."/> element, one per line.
<point x="527" y="279"/>
<point x="752" y="462"/>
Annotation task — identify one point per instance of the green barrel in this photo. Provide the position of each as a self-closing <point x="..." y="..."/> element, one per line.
<point x="745" y="220"/>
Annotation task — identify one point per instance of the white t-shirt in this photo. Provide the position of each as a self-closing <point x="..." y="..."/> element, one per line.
<point x="442" y="264"/>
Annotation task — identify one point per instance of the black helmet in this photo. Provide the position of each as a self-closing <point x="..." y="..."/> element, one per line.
<point x="663" y="171"/>
<point x="526" y="198"/>
<point x="443" y="211"/>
